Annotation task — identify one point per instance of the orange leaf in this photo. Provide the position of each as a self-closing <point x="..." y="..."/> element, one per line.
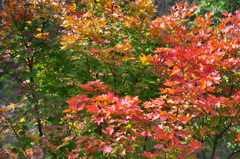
<point x="67" y="110"/>
<point x="3" y="110"/>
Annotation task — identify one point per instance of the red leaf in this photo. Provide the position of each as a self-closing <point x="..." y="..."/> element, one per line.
<point x="107" y="149"/>
<point x="94" y="50"/>
<point x="93" y="108"/>
<point x="108" y="131"/>
<point x="213" y="112"/>
<point x="146" y="133"/>
<point x="131" y="138"/>
<point x="186" y="119"/>
<point x="168" y="148"/>
<point x="73" y="156"/>
<point x="195" y="145"/>
<point x="130" y="148"/>
<point x="183" y="147"/>
<point x="163" y="118"/>
<point x="158" y="146"/>
<point x="182" y="155"/>
<point x="176" y="140"/>
<point x="98" y="120"/>
<point x="149" y="154"/>
<point x="170" y="83"/>
<point x="66" y="139"/>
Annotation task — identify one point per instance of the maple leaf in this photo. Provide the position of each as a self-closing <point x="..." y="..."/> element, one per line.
<point x="182" y="155"/>
<point x="163" y="118"/>
<point x="158" y="146"/>
<point x="43" y="36"/>
<point x="77" y="14"/>
<point x="85" y="138"/>
<point x="95" y="50"/>
<point x="122" y="153"/>
<point x="145" y="58"/>
<point x="131" y="138"/>
<point x="69" y="138"/>
<point x="195" y="145"/>
<point x="183" y="147"/>
<point x="130" y="148"/>
<point x="170" y="83"/>
<point x="108" y="131"/>
<point x="3" y="110"/>
<point x="107" y="149"/>
<point x="186" y="119"/>
<point x="146" y="133"/>
<point x="73" y="156"/>
<point x="149" y="154"/>
<point x="93" y="108"/>
<point x="168" y="148"/>
<point x="98" y="120"/>
<point x="176" y="140"/>
<point x="67" y="111"/>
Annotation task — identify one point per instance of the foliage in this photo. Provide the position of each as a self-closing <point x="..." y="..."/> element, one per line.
<point x="154" y="88"/>
<point x="217" y="7"/>
<point x="31" y="54"/>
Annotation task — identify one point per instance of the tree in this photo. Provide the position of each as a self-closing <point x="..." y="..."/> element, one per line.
<point x="31" y="54"/>
<point x="206" y="83"/>
<point x="33" y="51"/>
<point x="196" y="69"/>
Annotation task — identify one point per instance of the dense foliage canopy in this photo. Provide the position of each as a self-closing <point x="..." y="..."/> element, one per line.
<point x="136" y="85"/>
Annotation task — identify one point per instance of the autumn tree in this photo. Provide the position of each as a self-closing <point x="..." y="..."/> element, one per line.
<point x="199" y="100"/>
<point x="48" y="60"/>
<point x="148" y="88"/>
<point x="31" y="54"/>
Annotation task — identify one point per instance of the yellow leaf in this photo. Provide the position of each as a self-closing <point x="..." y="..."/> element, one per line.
<point x="144" y="58"/>
<point x="129" y="126"/>
<point x="141" y="11"/>
<point x="128" y="58"/>
<point x="42" y="36"/>
<point x="22" y="120"/>
<point x="147" y="33"/>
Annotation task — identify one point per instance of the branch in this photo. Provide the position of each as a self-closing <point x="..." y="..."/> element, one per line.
<point x="215" y="142"/>
<point x="224" y="130"/>
<point x="214" y="146"/>
<point x="18" y="137"/>
<point x="233" y="154"/>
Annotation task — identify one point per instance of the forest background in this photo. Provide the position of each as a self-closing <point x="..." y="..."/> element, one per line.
<point x="140" y="82"/>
